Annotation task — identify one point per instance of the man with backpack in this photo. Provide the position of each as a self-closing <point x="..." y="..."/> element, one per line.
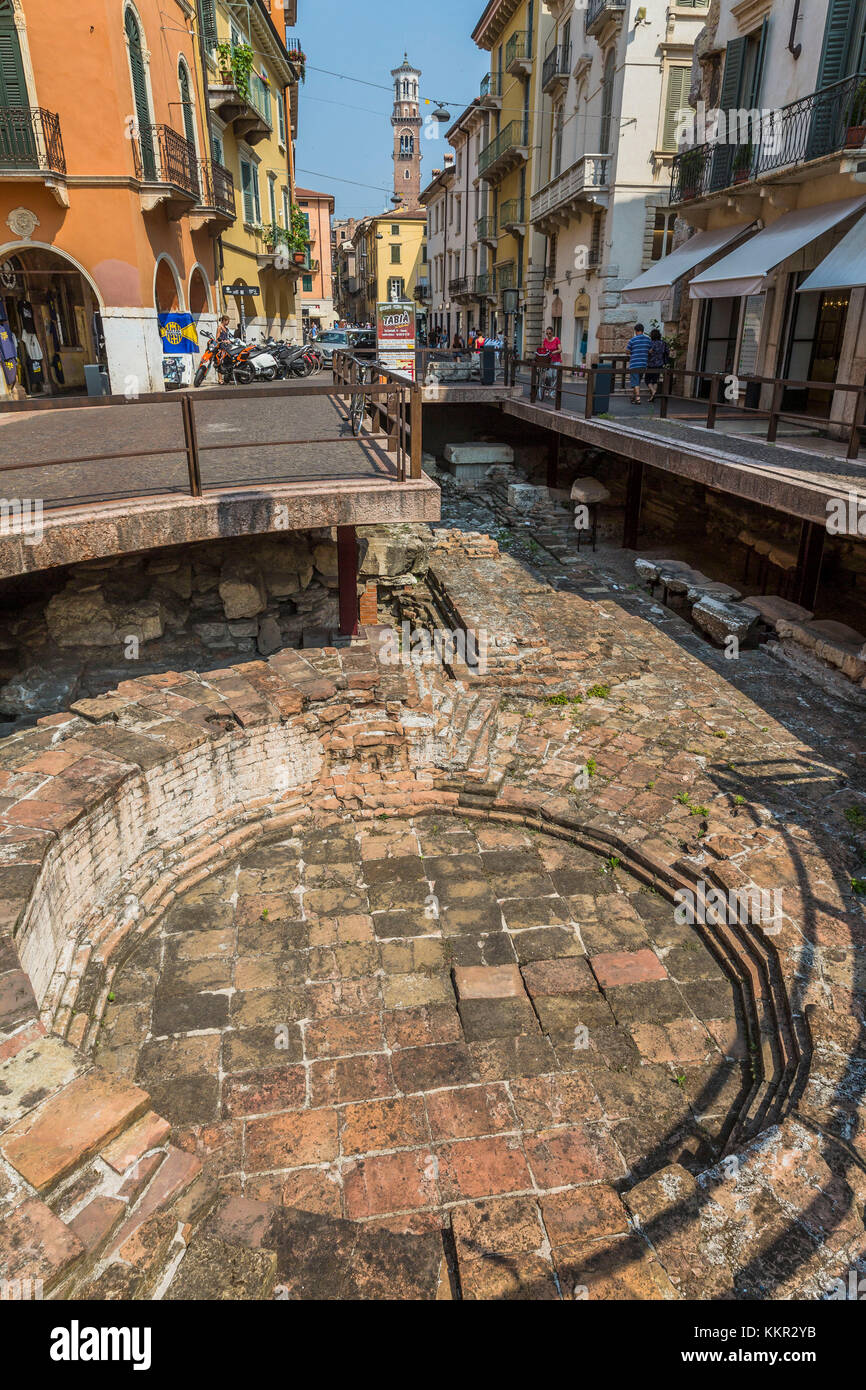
<point x="658" y="358"/>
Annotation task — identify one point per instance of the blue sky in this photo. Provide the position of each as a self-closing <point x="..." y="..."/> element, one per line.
<point x="345" y="127"/>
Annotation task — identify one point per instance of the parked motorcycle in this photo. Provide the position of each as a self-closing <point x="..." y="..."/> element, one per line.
<point x="218" y="353"/>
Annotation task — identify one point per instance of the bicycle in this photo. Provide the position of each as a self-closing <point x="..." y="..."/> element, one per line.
<point x="546" y="375"/>
<point x="358" y="401"/>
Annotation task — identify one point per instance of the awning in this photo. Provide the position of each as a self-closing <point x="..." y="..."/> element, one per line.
<point x="845" y="266"/>
<point x="655" y="284"/>
<point x="746" y="269"/>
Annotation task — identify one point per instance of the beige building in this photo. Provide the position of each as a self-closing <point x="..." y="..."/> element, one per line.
<point x="316" y="287"/>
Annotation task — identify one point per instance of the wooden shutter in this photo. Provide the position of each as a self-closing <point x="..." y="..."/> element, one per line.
<point x="247" y="188"/>
<point x="675" y="101"/>
<point x="207" y="18"/>
<point x="607" y="103"/>
<point x="729" y="100"/>
<point x="139" y="92"/>
<point x="17" y="142"/>
<point x="837" y="57"/>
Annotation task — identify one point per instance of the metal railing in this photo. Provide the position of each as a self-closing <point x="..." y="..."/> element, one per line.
<point x="596" y="9"/>
<point x="30" y="139"/>
<point x="397" y="401"/>
<point x="485" y="229"/>
<point x="393" y="403"/>
<point x="218" y="186"/>
<point x="485" y="284"/>
<point x="517" y="49"/>
<point x="810" y="128"/>
<point x="490" y="86"/>
<point x="557" y="64"/>
<point x="512" y="136"/>
<point x="459" y="285"/>
<point x="707" y="394"/>
<point x="163" y="156"/>
<point x="506" y="276"/>
<point x="512" y="213"/>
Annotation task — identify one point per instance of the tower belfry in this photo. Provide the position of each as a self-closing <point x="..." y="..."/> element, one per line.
<point x="406" y="121"/>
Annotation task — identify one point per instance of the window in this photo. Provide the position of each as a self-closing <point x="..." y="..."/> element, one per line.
<point x="395" y="253"/>
<point x="395" y="288"/>
<point x="407" y="145"/>
<point x="285" y="207"/>
<point x="186" y="102"/>
<point x="272" y="196"/>
<point x="607" y="102"/>
<point x="250" y="190"/>
<point x="217" y="149"/>
<point x="663" y="234"/>
<point x="307" y="283"/>
<point x="424" y="252"/>
<point x="395" y="228"/>
<point x="676" y="100"/>
<point x="281" y="118"/>
<point x="558" y="126"/>
<point x="207" y="11"/>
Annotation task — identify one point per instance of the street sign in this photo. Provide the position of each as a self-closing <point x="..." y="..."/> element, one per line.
<point x="395" y="336"/>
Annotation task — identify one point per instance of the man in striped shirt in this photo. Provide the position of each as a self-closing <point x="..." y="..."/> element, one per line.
<point x="638" y="358"/>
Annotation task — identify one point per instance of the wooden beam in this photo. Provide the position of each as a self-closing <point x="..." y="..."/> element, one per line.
<point x="347" y="579"/>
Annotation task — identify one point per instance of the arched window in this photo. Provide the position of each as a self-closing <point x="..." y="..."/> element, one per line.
<point x="606" y="102"/>
<point x="407" y="145"/>
<point x="139" y="92"/>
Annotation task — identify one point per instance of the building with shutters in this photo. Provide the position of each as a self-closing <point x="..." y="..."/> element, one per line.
<point x="612" y="78"/>
<point x="253" y="68"/>
<point x="110" y="200"/>
<point x="770" y="277"/>
<point x="391" y="260"/>
<point x="316" y="287"/>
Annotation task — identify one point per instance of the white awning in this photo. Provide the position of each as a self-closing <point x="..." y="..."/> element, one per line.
<point x="656" y="283"/>
<point x="746" y="269"/>
<point x="845" y="266"/>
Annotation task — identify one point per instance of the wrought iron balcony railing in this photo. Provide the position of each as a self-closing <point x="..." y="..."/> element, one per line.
<point x="30" y="140"/>
<point x="460" y="285"/>
<point x="506" y="276"/>
<point x="163" y="156"/>
<point x="485" y="229"/>
<point x="485" y="284"/>
<point x="217" y="186"/>
<point x="512" y="136"/>
<point x="490" y="86"/>
<point x="422" y="291"/>
<point x="599" y="9"/>
<point x="512" y="213"/>
<point x="756" y="143"/>
<point x="518" y="48"/>
<point x="557" y="65"/>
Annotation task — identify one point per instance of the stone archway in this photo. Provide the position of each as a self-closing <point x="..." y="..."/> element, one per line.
<point x="54" y="309"/>
<point x="167" y="293"/>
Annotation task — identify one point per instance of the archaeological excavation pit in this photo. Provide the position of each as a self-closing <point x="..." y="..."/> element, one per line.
<point x="429" y="1023"/>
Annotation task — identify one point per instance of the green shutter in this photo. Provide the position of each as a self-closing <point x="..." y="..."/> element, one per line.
<point x="207" y="16"/>
<point x="729" y="100"/>
<point x="758" y="75"/>
<point x="248" y="192"/>
<point x="675" y="101"/>
<point x="17" y="145"/>
<point x="139" y="92"/>
<point x="838" y="49"/>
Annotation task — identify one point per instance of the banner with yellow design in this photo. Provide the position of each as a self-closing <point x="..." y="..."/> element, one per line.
<point x="178" y="333"/>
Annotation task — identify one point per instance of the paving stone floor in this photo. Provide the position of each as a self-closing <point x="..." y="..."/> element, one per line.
<point x="313" y="1023"/>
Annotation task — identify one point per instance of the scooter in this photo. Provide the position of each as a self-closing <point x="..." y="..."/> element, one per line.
<point x="254" y="362"/>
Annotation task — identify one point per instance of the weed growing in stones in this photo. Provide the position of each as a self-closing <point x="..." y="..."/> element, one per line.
<point x="854" y="815"/>
<point x="598" y="692"/>
<point x="683" y="798"/>
<point x="858" y="886"/>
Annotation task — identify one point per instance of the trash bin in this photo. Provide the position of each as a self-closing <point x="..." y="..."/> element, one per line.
<point x="488" y="365"/>
<point x="604" y="374"/>
<point x="96" y="380"/>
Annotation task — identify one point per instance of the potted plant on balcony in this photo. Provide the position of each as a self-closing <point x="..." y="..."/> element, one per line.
<point x="235" y="62"/>
<point x="297" y="235"/>
<point x="856" y="119"/>
<point x="742" y="165"/>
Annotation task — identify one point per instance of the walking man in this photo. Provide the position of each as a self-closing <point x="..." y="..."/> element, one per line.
<point x="638" y="348"/>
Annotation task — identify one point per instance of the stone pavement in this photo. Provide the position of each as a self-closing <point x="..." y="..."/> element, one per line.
<point x="426" y="885"/>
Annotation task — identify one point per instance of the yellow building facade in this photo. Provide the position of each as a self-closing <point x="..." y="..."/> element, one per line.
<point x="391" y="257"/>
<point x="252" y="77"/>
<point x="509" y="30"/>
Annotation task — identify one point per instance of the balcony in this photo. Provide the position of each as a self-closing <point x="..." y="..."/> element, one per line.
<point x="585" y="182"/>
<point x="506" y="277"/>
<point x="167" y="167"/>
<point x="599" y="12"/>
<point x="297" y="58"/>
<point x="485" y="230"/>
<point x="460" y="287"/>
<point x="490" y="95"/>
<point x="557" y="68"/>
<point x="239" y="109"/>
<point x="485" y="286"/>
<point x="510" y="148"/>
<point x="422" y="292"/>
<point x="518" y="54"/>
<point x="31" y="147"/>
<point x="512" y="216"/>
<point x="216" y="208"/>
<point x="824" y="123"/>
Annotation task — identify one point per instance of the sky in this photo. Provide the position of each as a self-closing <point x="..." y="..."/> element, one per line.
<point x="345" y="126"/>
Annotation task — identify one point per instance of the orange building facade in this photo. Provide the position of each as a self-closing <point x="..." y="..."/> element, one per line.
<point x="110" y="199"/>
<point x="316" y="292"/>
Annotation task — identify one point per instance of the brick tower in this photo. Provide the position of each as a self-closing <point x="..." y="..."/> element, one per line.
<point x="406" y="121"/>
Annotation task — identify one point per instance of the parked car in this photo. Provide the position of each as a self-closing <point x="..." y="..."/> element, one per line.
<point x="345" y="340"/>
